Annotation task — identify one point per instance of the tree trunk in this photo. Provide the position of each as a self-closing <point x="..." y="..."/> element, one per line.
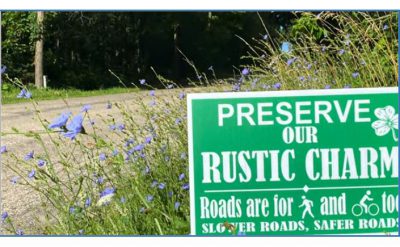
<point x="39" y="52"/>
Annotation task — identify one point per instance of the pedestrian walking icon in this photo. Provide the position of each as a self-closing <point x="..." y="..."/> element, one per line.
<point x="363" y="208"/>
<point x="307" y="204"/>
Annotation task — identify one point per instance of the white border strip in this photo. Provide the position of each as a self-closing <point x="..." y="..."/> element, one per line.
<point x="263" y="94"/>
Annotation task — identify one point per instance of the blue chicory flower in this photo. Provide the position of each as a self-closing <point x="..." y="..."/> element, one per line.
<point x="327" y="86"/>
<point x="81" y="232"/>
<point x="181" y="176"/>
<point x="154" y="183"/>
<point x="121" y="127"/>
<point x="148" y="140"/>
<point x="4" y="216"/>
<point x="139" y="147"/>
<point x="29" y="156"/>
<point x="152" y="93"/>
<point x="112" y="127"/>
<point x="181" y="95"/>
<point x="177" y="205"/>
<point x="102" y="157"/>
<point x="24" y="94"/>
<point x="71" y="210"/>
<point x="185" y="186"/>
<point x="61" y="121"/>
<point x="277" y="85"/>
<point x="347" y="86"/>
<point x="149" y="198"/>
<point x="265" y="36"/>
<point x="341" y="52"/>
<point x="14" y="180"/>
<point x="88" y="202"/>
<point x="19" y="232"/>
<point x="3" y="149"/>
<point x="385" y="27"/>
<point x="245" y="71"/>
<point x="100" y="180"/>
<point x="170" y="193"/>
<point x="31" y="174"/>
<point x="290" y="61"/>
<point x="107" y="191"/>
<point x="161" y="186"/>
<point x="115" y="152"/>
<point x="3" y="69"/>
<point x="355" y="75"/>
<point x="122" y="200"/>
<point x="74" y="127"/>
<point x="170" y="86"/>
<point x="152" y="103"/>
<point x="41" y="163"/>
<point x="147" y="169"/>
<point x="86" y="108"/>
<point x="142" y="81"/>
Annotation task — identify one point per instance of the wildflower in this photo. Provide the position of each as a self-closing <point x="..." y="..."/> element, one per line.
<point x="86" y="108"/>
<point x="3" y="69"/>
<point x="81" y="232"/>
<point x="185" y="186"/>
<point x="19" y="232"/>
<point x="147" y="169"/>
<point x="161" y="186"/>
<point x="60" y="122"/>
<point x="178" y="121"/>
<point x="385" y="27"/>
<point x="236" y="87"/>
<point x="341" y="52"/>
<point x="172" y="85"/>
<point x="71" y="210"/>
<point x="152" y="103"/>
<point x="142" y="81"/>
<point x="122" y="200"/>
<point x="112" y="127"/>
<point x="121" y="127"/>
<point x="148" y="140"/>
<point x="100" y="180"/>
<point x="154" y="183"/>
<point x="29" y="156"/>
<point x="106" y="196"/>
<point x="41" y="163"/>
<point x="24" y="94"/>
<point x="139" y="147"/>
<point x="32" y="174"/>
<point x="290" y="61"/>
<point x="129" y="142"/>
<point x="199" y="77"/>
<point x="170" y="193"/>
<point x="115" y="152"/>
<point x="141" y="210"/>
<point x="301" y="78"/>
<point x="75" y="127"/>
<point x="167" y="158"/>
<point x="14" y="180"/>
<point x="266" y="87"/>
<point x="355" y="75"/>
<point x="177" y="205"/>
<point x="102" y="157"/>
<point x="149" y="198"/>
<point x="277" y="85"/>
<point x="152" y="93"/>
<point x="88" y="202"/>
<point x="181" y="95"/>
<point x="181" y="176"/>
<point x="4" y="216"/>
<point x="265" y="37"/>
<point x="245" y="71"/>
<point x="183" y="155"/>
<point x="286" y="47"/>
<point x="323" y="49"/>
<point x="347" y="86"/>
<point x="3" y="149"/>
<point x="108" y="105"/>
<point x="327" y="86"/>
<point x="309" y="66"/>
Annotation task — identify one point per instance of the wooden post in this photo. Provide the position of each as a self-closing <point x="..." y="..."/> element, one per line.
<point x="39" y="52"/>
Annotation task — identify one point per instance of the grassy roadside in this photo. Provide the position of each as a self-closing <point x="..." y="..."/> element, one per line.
<point x="9" y="96"/>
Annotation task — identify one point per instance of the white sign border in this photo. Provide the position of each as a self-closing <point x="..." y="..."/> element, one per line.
<point x="262" y="94"/>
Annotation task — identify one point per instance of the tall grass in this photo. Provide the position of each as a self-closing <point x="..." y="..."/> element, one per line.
<point x="128" y="172"/>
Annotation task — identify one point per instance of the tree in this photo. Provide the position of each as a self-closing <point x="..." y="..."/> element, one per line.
<point x="39" y="51"/>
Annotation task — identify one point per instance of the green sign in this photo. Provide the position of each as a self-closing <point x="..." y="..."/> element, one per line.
<point x="294" y="162"/>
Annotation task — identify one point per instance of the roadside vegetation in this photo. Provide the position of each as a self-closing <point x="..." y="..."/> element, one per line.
<point x="131" y="177"/>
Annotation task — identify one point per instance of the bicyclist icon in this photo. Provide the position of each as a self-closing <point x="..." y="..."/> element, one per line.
<point x="363" y="208"/>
